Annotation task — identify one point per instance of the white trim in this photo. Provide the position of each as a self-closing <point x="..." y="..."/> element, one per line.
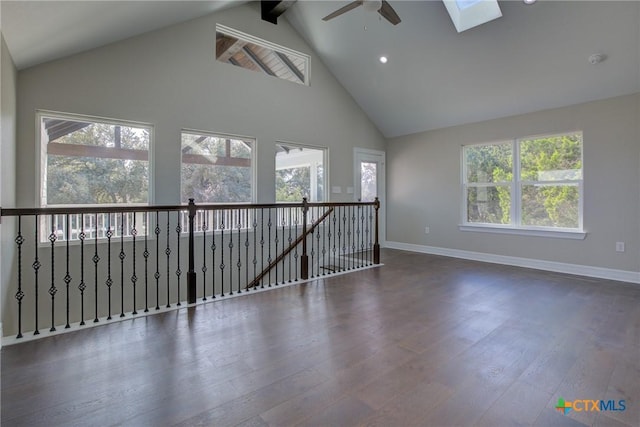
<point x="558" y="234"/>
<point x="269" y="45"/>
<point x="558" y="267"/>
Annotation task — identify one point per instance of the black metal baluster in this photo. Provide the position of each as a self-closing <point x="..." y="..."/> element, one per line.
<point x="326" y="235"/>
<point x="255" y="247"/>
<point x="262" y="243"/>
<point x="246" y="248"/>
<point x="344" y="238"/>
<point x="20" y="294"/>
<point x="230" y="252"/>
<point x="95" y="260"/>
<point x="269" y="224"/>
<point x="146" y="254"/>
<point x="290" y="240"/>
<point x="333" y="247"/>
<point x="353" y="237"/>
<point x="122" y="256"/>
<point x="284" y="223"/>
<point x="36" y="266"/>
<point x="53" y="290"/>
<point x="239" y="263"/>
<point x="276" y="251"/>
<point x="222" y="253"/>
<point x="109" y="282"/>
<point x="134" y="278"/>
<point x="368" y="235"/>
<point x="213" y="257"/>
<point x="167" y="252"/>
<point x="156" y="275"/>
<point x="204" y="256"/>
<point x="360" y="236"/>
<point x="312" y="231"/>
<point x="67" y="277"/>
<point x="295" y="251"/>
<point x="82" y="286"/>
<point x="178" y="271"/>
<point x="318" y="240"/>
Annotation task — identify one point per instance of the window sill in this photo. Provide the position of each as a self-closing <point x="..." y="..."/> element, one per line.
<point x="558" y="234"/>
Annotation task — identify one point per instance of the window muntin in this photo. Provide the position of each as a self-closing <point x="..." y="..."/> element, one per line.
<point x="217" y="168"/>
<point x="532" y="183"/>
<point x="252" y="53"/>
<point x="93" y="161"/>
<point x="300" y="172"/>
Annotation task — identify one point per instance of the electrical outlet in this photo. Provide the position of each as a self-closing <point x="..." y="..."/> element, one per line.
<point x="619" y="246"/>
<point x="426" y="230"/>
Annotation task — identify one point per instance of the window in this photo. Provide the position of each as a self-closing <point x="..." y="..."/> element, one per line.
<point x="217" y="168"/>
<point x="246" y="51"/>
<point x="528" y="183"/>
<point x="91" y="161"/>
<point x="300" y="172"/>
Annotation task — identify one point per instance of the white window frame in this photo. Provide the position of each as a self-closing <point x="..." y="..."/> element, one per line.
<point x="516" y="227"/>
<point x="41" y="153"/>
<point x="325" y="166"/>
<point x="254" y="150"/>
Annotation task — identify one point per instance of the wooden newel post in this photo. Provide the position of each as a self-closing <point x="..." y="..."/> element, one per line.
<point x="304" y="259"/>
<point x="191" y="274"/>
<point x="376" y="244"/>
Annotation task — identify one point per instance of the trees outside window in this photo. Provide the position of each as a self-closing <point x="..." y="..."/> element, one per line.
<point x="300" y="172"/>
<point x="217" y="168"/>
<point x="533" y="182"/>
<point x="90" y="161"/>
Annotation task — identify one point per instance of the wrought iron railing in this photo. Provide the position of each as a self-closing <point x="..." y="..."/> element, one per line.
<point x="79" y="265"/>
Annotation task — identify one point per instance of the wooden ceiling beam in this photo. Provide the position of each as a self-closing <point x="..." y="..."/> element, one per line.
<point x="256" y="60"/>
<point x="290" y="65"/>
<point x="271" y="10"/>
<point x="227" y="46"/>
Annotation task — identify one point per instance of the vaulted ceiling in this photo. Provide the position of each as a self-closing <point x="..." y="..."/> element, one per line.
<point x="534" y="57"/>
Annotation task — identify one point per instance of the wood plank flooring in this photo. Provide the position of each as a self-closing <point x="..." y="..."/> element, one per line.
<point x="422" y="341"/>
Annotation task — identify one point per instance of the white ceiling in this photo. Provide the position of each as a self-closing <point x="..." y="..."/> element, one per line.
<point x="532" y="58"/>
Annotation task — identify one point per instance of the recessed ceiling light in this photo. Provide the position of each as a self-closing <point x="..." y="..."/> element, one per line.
<point x="383" y="59"/>
<point x="529" y="1"/>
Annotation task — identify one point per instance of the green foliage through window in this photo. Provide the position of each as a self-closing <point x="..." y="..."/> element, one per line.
<point x="542" y="189"/>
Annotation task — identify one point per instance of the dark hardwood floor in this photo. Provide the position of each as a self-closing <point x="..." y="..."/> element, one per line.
<point x="423" y="340"/>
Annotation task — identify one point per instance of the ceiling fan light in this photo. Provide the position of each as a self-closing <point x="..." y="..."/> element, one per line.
<point x="372" y="5"/>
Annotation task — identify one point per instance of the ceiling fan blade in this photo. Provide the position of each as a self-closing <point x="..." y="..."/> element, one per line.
<point x="342" y="10"/>
<point x="388" y="13"/>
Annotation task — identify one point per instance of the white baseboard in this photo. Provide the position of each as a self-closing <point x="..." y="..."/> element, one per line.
<point x="558" y="267"/>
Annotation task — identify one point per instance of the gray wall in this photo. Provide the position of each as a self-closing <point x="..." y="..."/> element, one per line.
<point x="8" y="77"/>
<point x="170" y="78"/>
<point x="423" y="185"/>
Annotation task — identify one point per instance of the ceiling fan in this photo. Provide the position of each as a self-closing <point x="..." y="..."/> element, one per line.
<point x="382" y="7"/>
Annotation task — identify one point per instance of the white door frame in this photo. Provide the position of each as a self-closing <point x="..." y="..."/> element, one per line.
<point x="364" y="154"/>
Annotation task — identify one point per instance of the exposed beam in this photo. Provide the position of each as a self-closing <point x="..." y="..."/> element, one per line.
<point x="78" y="150"/>
<point x="256" y="60"/>
<point x="290" y="65"/>
<point x="271" y="10"/>
<point x="59" y="128"/>
<point x="200" y="159"/>
<point x="227" y="46"/>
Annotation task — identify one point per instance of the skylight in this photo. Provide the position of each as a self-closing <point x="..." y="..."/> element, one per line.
<point x="467" y="14"/>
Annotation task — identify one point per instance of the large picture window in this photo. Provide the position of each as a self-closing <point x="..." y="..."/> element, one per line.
<point x="217" y="168"/>
<point x="300" y="172"/>
<point x="91" y="161"/>
<point x="528" y="183"/>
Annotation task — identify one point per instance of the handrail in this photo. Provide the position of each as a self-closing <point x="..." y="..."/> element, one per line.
<point x="286" y="252"/>
<point x="57" y="210"/>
